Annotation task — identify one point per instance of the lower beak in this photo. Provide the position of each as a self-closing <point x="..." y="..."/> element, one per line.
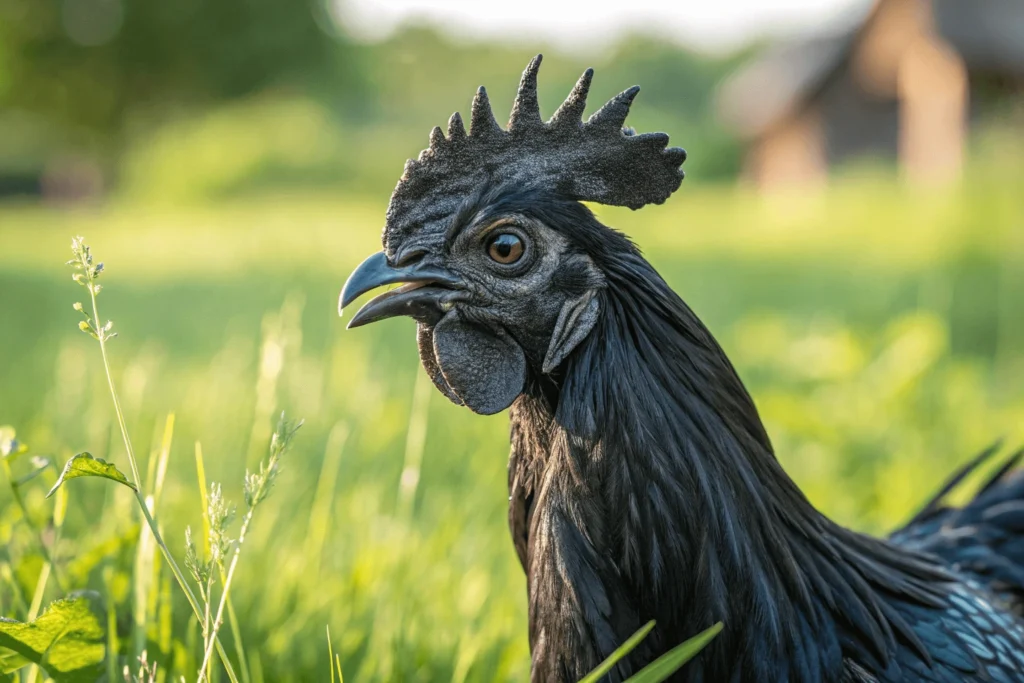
<point x="428" y="292"/>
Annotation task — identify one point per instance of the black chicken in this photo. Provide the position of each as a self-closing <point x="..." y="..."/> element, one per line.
<point x="642" y="482"/>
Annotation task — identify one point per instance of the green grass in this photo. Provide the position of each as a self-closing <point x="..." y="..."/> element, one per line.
<point x="878" y="329"/>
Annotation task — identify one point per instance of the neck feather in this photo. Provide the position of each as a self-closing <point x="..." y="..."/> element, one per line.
<point x="703" y="522"/>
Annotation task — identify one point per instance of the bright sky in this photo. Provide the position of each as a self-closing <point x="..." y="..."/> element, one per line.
<point x="587" y="25"/>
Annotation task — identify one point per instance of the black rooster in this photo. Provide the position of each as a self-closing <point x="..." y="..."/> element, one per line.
<point x="642" y="482"/>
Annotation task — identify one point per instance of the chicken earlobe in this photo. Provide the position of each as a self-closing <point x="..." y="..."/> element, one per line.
<point x="483" y="369"/>
<point x="574" y="323"/>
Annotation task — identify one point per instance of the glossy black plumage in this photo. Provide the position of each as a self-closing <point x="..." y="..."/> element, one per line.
<point x="642" y="482"/>
<point x="643" y="485"/>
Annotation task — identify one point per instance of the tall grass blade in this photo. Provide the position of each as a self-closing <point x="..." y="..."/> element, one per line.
<point x="415" y="440"/>
<point x="670" y="662"/>
<point x="165" y="635"/>
<point x="236" y="635"/>
<point x="256" y="666"/>
<point x="162" y="460"/>
<point x="142" y="577"/>
<point x="620" y="652"/>
<point x="281" y="331"/>
<point x="330" y="653"/>
<point x="320" y="513"/>
<point x="147" y="567"/>
<point x="37" y="595"/>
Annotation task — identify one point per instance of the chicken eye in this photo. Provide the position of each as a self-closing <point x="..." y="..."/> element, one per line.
<point x="505" y="248"/>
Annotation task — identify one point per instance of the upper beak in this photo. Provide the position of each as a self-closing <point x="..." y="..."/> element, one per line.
<point x="428" y="295"/>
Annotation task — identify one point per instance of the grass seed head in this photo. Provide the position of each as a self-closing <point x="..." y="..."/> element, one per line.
<point x="221" y="513"/>
<point x="199" y="569"/>
<point x="257" y="484"/>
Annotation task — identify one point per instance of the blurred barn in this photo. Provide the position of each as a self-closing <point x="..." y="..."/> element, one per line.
<point x="906" y="81"/>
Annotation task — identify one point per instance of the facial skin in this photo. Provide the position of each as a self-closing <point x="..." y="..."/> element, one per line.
<point x="490" y="322"/>
<point x="498" y="294"/>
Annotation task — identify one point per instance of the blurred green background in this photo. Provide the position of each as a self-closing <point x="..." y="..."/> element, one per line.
<point x="230" y="163"/>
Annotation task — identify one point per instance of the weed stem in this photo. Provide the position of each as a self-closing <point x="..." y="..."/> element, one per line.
<point x="165" y="551"/>
<point x="212" y="638"/>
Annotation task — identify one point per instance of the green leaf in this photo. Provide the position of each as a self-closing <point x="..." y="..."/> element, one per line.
<point x="67" y="640"/>
<point x="670" y="662"/>
<point x="620" y="652"/>
<point x="84" y="465"/>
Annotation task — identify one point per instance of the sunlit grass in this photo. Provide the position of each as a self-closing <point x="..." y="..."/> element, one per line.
<point x="875" y="325"/>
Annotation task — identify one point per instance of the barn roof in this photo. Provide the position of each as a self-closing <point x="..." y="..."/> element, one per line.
<point x="988" y="34"/>
<point x="775" y="84"/>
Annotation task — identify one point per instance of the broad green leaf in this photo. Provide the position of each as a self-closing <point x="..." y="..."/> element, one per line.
<point x="84" y="465"/>
<point x="670" y="662"/>
<point x="620" y="652"/>
<point x="67" y="640"/>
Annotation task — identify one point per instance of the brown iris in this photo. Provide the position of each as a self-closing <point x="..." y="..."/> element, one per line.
<point x="505" y="248"/>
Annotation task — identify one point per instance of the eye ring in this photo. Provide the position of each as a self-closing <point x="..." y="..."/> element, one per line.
<point x="505" y="248"/>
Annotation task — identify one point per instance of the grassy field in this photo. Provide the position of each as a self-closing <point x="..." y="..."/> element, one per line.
<point x="879" y="329"/>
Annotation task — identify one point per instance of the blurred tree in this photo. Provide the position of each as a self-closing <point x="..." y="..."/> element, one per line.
<point x="134" y="84"/>
<point x="87" y="65"/>
<point x="678" y="87"/>
<point x="421" y="76"/>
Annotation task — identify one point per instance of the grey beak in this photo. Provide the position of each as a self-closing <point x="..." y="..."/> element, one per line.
<point x="429" y="290"/>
